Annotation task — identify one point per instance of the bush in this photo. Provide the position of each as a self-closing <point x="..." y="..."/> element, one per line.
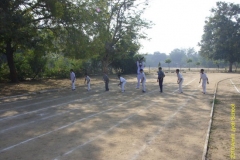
<point x="59" y="67"/>
<point x="4" y="72"/>
<point x="22" y="67"/>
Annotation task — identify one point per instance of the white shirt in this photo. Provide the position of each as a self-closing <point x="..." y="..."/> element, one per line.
<point x="179" y="75"/>
<point x="203" y="76"/>
<point x="72" y="76"/>
<point x="139" y="67"/>
<point x="142" y="75"/>
<point x="87" y="78"/>
<point x="122" y="79"/>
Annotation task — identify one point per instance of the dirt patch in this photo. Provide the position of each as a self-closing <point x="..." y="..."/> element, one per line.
<point x="224" y="140"/>
<point x="101" y="125"/>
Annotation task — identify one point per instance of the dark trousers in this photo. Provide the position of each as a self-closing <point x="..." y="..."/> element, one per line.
<point x="160" y="80"/>
<point x="106" y="85"/>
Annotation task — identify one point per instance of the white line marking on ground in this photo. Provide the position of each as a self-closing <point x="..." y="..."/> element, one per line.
<point x="72" y="123"/>
<point x="106" y="131"/>
<point x="21" y="114"/>
<point x="21" y="125"/>
<point x="40" y="102"/>
<point x="28" y="105"/>
<point x="149" y="142"/>
<point x="26" y="94"/>
<point x="14" y="116"/>
<point x="20" y="100"/>
<point x="185" y="85"/>
<point x="94" y="138"/>
<point x="44" y="118"/>
<point x="234" y="86"/>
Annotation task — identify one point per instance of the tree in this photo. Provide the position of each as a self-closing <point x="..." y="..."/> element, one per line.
<point x="217" y="62"/>
<point x="126" y="65"/>
<point x="159" y="64"/>
<point x="178" y="56"/>
<point x="155" y="58"/>
<point x="236" y="64"/>
<point x="221" y="38"/>
<point x="168" y="61"/>
<point x="117" y="29"/>
<point x="189" y="61"/>
<point x="198" y="64"/>
<point x="192" y="54"/>
<point x="21" y="20"/>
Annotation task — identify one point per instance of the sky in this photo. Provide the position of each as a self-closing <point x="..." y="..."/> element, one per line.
<point x="178" y="24"/>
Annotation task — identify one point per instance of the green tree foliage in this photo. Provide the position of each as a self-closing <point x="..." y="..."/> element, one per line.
<point x="155" y="58"/>
<point x="236" y="64"/>
<point x="217" y="63"/>
<point x="58" y="66"/>
<point x="127" y="65"/>
<point x="178" y="56"/>
<point x="189" y="61"/>
<point x="221" y="40"/>
<point x="21" y="21"/>
<point x="198" y="64"/>
<point x="117" y="28"/>
<point x="4" y="72"/>
<point x="168" y="61"/>
<point x="158" y="58"/>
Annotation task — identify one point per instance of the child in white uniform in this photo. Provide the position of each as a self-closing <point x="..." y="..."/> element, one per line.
<point x="180" y="80"/>
<point x="72" y="78"/>
<point x="204" y="79"/>
<point x="122" y="83"/>
<point x="88" y="80"/>
<point x="143" y="80"/>
<point x="140" y="65"/>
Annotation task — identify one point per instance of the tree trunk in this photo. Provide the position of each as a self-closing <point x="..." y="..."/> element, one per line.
<point x="105" y="66"/>
<point x="230" y="66"/>
<point x="10" y="60"/>
<point x="236" y="66"/>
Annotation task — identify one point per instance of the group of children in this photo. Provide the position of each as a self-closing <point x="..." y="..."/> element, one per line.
<point x="141" y="78"/>
<point x="203" y="78"/>
<point x="73" y="79"/>
<point x="106" y="81"/>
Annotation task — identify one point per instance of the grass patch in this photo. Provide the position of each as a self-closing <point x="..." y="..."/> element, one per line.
<point x="216" y="101"/>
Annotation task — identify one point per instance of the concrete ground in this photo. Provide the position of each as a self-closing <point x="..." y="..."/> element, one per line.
<point x="99" y="125"/>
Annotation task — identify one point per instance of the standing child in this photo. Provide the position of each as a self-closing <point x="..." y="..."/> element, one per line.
<point x="88" y="80"/>
<point x="72" y="78"/>
<point x="204" y="78"/>
<point x="122" y="82"/>
<point x="180" y="80"/>
<point x="140" y="65"/>
<point x="161" y="75"/>
<point x="106" y="81"/>
<point x="143" y="80"/>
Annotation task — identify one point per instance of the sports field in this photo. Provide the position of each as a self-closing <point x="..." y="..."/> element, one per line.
<point x="99" y="125"/>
